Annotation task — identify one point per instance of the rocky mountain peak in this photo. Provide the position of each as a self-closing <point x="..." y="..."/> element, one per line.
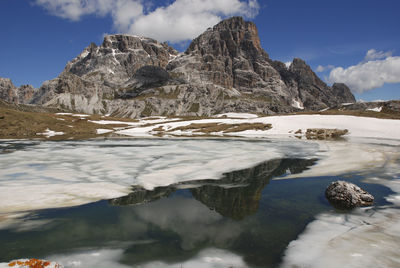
<point x="343" y="92"/>
<point x="230" y="55"/>
<point x="225" y="69"/>
<point x="304" y="72"/>
<point x="228" y="38"/>
<point x="117" y="59"/>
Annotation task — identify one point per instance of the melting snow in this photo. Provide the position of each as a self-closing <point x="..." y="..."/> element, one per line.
<point x="103" y="131"/>
<point x="50" y="133"/>
<point x="297" y="104"/>
<point x="376" y="109"/>
<point x="281" y="125"/>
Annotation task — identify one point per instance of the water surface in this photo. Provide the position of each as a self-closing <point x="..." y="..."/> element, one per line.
<point x="246" y="217"/>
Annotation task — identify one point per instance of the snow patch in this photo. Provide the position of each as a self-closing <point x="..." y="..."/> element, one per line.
<point x="83" y="54"/>
<point x="80" y="115"/>
<point x="376" y="109"/>
<point x="237" y="115"/>
<point x="50" y="133"/>
<point x="281" y="125"/>
<point x="297" y="104"/>
<point x="103" y="131"/>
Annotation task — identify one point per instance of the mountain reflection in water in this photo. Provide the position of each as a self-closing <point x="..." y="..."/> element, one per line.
<point x="236" y="195"/>
<point x="234" y="217"/>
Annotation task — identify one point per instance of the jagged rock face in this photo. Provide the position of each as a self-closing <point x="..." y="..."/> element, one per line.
<point x="343" y="93"/>
<point x="118" y="58"/>
<point x="25" y="93"/>
<point x="12" y="94"/>
<point x="311" y="91"/>
<point x="223" y="70"/>
<point x="230" y="55"/>
<point x="8" y="92"/>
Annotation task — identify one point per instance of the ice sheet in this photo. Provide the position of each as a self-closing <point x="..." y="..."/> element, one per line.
<point x="59" y="174"/>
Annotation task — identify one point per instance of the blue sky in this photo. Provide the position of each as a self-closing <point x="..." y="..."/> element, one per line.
<point x="40" y="36"/>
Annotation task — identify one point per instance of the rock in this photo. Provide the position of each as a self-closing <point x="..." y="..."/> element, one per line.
<point x="308" y="89"/>
<point x="325" y="133"/>
<point x="343" y="93"/>
<point x="118" y="58"/>
<point x="12" y="94"/>
<point x="347" y="195"/>
<point x="389" y="107"/>
<point x="8" y="92"/>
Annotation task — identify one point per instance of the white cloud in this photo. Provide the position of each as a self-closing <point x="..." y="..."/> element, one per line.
<point x="321" y="68"/>
<point x="75" y="9"/>
<point x="179" y="21"/>
<point x="370" y="73"/>
<point x="372" y="54"/>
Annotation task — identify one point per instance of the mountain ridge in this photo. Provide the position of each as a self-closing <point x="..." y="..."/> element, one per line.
<point x="225" y="69"/>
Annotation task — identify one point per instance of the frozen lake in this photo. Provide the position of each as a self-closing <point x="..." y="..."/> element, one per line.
<point x="198" y="202"/>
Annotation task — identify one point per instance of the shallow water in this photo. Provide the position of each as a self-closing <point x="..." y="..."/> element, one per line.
<point x="244" y="217"/>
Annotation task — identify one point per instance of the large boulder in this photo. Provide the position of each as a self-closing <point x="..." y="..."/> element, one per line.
<point x="347" y="195"/>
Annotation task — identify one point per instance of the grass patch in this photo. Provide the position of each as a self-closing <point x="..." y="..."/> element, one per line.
<point x="208" y="128"/>
<point x="194" y="108"/>
<point x="148" y="109"/>
<point x="17" y="124"/>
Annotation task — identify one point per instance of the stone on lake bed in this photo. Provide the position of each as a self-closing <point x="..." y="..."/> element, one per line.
<point x="348" y="195"/>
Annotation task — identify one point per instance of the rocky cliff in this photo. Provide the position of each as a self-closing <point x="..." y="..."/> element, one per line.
<point x="13" y="94"/>
<point x="225" y="69"/>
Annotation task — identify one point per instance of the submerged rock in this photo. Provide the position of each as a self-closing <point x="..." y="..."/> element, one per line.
<point x="348" y="195"/>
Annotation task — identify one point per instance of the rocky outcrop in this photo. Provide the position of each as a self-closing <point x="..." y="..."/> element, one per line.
<point x="324" y="133"/>
<point x="12" y="94"/>
<point x="347" y="195"/>
<point x="225" y="69"/>
<point x="389" y="107"/>
<point x="343" y="93"/>
<point x="8" y="92"/>
<point x="310" y="91"/>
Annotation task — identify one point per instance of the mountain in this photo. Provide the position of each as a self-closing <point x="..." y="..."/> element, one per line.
<point x="225" y="69"/>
